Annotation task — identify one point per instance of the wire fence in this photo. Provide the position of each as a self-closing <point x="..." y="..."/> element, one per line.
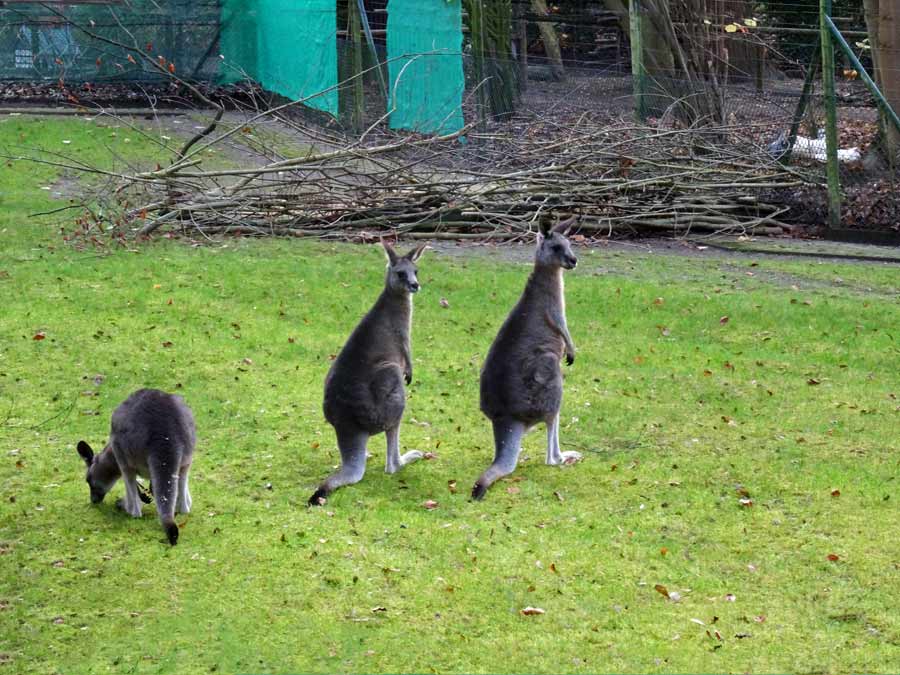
<point x="557" y="63"/>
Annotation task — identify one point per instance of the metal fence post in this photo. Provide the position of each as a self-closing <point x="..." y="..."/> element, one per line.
<point x="831" y="137"/>
<point x="637" y="60"/>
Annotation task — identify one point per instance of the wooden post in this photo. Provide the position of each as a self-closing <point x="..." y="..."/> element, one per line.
<point x="831" y="137"/>
<point x="760" y="65"/>
<point x="637" y="60"/>
<point x="358" y="112"/>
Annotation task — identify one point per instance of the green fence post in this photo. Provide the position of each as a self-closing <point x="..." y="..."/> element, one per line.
<point x="831" y="138"/>
<point x="637" y="60"/>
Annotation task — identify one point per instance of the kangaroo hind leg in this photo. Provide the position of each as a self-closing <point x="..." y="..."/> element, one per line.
<point x="394" y="459"/>
<point x="554" y="454"/>
<point x="183" y="503"/>
<point x="131" y="504"/>
<point x="352" y="444"/>
<point x="508" y="435"/>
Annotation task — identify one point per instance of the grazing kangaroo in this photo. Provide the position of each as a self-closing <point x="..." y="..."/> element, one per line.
<point x="152" y="435"/>
<point x="364" y="389"/>
<point x="521" y="381"/>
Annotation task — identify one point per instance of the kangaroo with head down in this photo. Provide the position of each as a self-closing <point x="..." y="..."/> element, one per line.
<point x="521" y="380"/>
<point x="152" y="435"/>
<point x="364" y="389"/>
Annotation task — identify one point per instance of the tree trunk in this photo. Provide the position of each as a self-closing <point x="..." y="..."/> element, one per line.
<point x="550" y="40"/>
<point x="883" y="23"/>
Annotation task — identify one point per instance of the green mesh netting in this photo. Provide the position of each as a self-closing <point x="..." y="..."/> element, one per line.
<point x="290" y="48"/>
<point x="425" y="65"/>
<point x="36" y="43"/>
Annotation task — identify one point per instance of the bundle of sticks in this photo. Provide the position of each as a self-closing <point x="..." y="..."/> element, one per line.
<point x="617" y="178"/>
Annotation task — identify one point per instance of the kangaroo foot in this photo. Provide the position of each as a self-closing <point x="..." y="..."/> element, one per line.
<point x="404" y="459"/>
<point x="479" y="490"/>
<point x="133" y="510"/>
<point x="561" y="458"/>
<point x="318" y="497"/>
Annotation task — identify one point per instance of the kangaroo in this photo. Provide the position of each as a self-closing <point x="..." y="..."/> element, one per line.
<point x="152" y="434"/>
<point x="521" y="380"/>
<point x="364" y="389"/>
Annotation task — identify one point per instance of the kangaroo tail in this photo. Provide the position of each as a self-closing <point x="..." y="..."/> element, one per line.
<point x="165" y="490"/>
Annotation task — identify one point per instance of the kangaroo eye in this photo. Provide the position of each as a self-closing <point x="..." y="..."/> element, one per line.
<point x="402" y="275"/>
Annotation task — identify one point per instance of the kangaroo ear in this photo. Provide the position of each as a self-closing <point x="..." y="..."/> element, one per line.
<point x="543" y="227"/>
<point x="86" y="453"/>
<point x="416" y="253"/>
<point x="391" y="253"/>
<point x="563" y="227"/>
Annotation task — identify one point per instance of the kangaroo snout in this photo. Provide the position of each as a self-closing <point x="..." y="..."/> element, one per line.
<point x="414" y="287"/>
<point x="570" y="262"/>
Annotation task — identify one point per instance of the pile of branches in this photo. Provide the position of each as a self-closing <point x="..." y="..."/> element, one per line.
<point x="620" y="178"/>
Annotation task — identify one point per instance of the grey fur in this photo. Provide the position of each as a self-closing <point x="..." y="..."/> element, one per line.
<point x="364" y="389"/>
<point x="152" y="435"/>
<point x="521" y="380"/>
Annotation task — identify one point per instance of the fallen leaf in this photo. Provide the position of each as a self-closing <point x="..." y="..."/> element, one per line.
<point x="444" y="303"/>
<point x="730" y="597"/>
<point x="532" y="611"/>
<point x="723" y="320"/>
<point x="760" y="619"/>
<point x="167" y="343"/>
<point x="833" y="557"/>
<point x="513" y="490"/>
<point x="558" y="496"/>
<point x="813" y="381"/>
<point x="698" y="622"/>
<point x="662" y="590"/>
<point x="451" y="485"/>
<point x="430" y="504"/>
<point x="40" y="335"/>
<point x="746" y="503"/>
<point x="379" y="609"/>
<point x="835" y="493"/>
<point x="663" y="551"/>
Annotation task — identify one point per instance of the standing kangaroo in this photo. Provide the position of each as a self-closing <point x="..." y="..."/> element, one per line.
<point x="364" y="389"/>
<point x="521" y="381"/>
<point x="152" y="435"/>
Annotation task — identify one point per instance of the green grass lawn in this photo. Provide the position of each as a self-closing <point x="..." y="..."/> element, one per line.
<point x="680" y="413"/>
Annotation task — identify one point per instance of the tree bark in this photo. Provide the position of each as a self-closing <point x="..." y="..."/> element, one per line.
<point x="883" y="23"/>
<point x="550" y="40"/>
